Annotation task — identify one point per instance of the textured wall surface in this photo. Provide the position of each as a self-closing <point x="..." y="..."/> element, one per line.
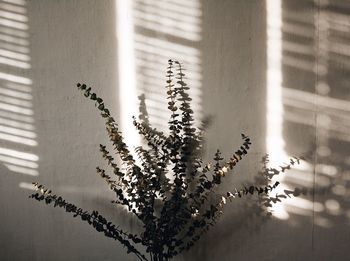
<point x="50" y="134"/>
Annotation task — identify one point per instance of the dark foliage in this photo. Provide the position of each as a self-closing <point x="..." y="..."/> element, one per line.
<point x="168" y="187"/>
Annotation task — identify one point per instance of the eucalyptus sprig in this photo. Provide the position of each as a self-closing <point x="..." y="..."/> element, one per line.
<point x="167" y="187"/>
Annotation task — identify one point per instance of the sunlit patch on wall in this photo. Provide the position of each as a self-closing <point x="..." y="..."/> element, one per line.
<point x="149" y="34"/>
<point x="274" y="119"/>
<point x="180" y="18"/>
<point x="274" y="140"/>
<point x="18" y="138"/>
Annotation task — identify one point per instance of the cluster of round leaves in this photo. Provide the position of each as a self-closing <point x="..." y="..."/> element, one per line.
<point x="94" y="219"/>
<point x="168" y="187"/>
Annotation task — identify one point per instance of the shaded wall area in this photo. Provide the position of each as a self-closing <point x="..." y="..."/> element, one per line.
<point x="234" y="95"/>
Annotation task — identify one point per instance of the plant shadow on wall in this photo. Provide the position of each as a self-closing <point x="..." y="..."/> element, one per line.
<point x="165" y="184"/>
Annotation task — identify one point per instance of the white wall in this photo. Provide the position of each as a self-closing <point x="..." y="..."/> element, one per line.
<point x="72" y="41"/>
